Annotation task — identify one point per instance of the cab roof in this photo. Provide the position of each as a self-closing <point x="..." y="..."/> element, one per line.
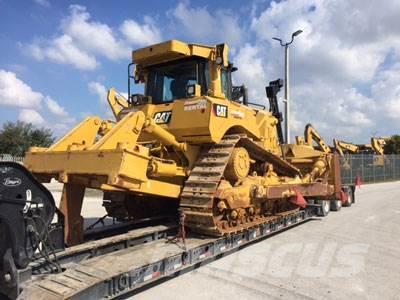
<point x="173" y="50"/>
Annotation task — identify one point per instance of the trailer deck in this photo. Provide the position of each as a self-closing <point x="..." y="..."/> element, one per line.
<point x="114" y="266"/>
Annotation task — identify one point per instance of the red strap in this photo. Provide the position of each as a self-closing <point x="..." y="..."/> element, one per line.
<point x="182" y="232"/>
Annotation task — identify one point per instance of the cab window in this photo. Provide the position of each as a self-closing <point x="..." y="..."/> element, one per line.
<point x="169" y="81"/>
<point x="226" y="83"/>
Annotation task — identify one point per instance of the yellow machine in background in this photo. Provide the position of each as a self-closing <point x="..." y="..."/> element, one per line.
<point x="313" y="139"/>
<point x="378" y="143"/>
<point x="193" y="141"/>
<point x="343" y="147"/>
<point x="376" y="148"/>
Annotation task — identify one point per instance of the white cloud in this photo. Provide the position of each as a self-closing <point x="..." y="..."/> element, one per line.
<point x="250" y="71"/>
<point x="62" y="50"/>
<point x="31" y="116"/>
<point x="386" y="91"/>
<point x="342" y="74"/>
<point x="14" y="92"/>
<point x="17" y="94"/>
<point x="141" y="35"/>
<point x="83" y="41"/>
<point x="55" y="108"/>
<point x="331" y="44"/>
<point x="93" y="37"/>
<point x="44" y="3"/>
<point x="202" y="26"/>
<point x="99" y="90"/>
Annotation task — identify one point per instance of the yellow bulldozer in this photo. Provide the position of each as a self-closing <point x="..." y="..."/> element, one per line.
<point x="192" y="141"/>
<point x="376" y="147"/>
<point x="313" y="139"/>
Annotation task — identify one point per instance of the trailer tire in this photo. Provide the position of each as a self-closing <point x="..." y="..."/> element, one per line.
<point x="353" y="194"/>
<point x="350" y="196"/>
<point x="324" y="209"/>
<point x="336" y="205"/>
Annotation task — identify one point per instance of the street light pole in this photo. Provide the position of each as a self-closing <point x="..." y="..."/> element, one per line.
<point x="287" y="87"/>
<point x="287" y="95"/>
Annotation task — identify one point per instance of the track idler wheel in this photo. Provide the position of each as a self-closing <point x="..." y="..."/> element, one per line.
<point x="238" y="166"/>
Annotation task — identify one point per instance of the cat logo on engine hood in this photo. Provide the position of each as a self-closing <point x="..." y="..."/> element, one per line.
<point x="163" y="117"/>
<point x="220" y="110"/>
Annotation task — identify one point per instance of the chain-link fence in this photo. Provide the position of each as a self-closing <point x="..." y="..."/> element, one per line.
<point x="8" y="157"/>
<point x="370" y="168"/>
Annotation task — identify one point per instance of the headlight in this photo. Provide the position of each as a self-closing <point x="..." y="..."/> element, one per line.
<point x="190" y="90"/>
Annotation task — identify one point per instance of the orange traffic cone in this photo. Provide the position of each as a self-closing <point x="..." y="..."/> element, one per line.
<point x="358" y="182"/>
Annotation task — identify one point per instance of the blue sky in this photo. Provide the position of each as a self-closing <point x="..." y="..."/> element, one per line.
<point x="58" y="58"/>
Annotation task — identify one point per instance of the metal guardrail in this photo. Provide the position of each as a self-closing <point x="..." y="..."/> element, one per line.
<point x="370" y="168"/>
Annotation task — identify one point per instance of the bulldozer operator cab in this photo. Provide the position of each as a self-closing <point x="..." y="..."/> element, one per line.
<point x="174" y="70"/>
<point x="174" y="80"/>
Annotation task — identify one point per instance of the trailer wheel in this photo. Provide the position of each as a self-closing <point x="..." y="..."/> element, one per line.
<point x="336" y="205"/>
<point x="350" y="197"/>
<point x="352" y="193"/>
<point x="325" y="208"/>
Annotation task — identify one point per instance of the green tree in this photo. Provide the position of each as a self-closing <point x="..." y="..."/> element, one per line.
<point x="392" y="145"/>
<point x="17" y="137"/>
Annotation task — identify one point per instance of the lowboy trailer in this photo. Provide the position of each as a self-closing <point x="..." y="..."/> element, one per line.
<point x="99" y="269"/>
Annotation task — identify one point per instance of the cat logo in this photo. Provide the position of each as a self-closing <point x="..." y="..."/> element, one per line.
<point x="163" y="117"/>
<point x="221" y="110"/>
